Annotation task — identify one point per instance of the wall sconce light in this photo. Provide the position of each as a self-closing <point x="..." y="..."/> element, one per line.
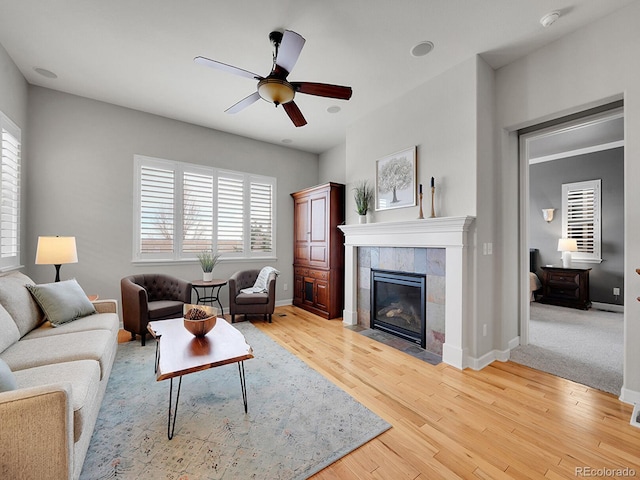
<point x="547" y="214"/>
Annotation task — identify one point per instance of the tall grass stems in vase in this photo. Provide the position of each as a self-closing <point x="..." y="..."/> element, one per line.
<point x="363" y="196"/>
<point x="208" y="261"/>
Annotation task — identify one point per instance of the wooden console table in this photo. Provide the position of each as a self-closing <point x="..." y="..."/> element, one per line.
<point x="566" y="287"/>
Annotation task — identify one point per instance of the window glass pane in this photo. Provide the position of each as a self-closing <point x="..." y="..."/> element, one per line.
<point x="230" y="214"/>
<point x="261" y="217"/>
<point x="156" y="210"/>
<point x="197" y="213"/>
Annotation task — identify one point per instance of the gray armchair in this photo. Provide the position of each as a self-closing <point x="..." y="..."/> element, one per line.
<point x="251" y="303"/>
<point x="151" y="296"/>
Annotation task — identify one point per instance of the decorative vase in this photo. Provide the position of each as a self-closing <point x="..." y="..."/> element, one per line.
<point x="207" y="276"/>
<point x="362" y="219"/>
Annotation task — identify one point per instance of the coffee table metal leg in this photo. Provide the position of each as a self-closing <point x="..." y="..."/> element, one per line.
<point x="172" y="426"/>
<point x="243" y="384"/>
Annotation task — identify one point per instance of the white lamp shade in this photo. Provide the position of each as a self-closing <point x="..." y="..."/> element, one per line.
<point x="567" y="245"/>
<point x="56" y="251"/>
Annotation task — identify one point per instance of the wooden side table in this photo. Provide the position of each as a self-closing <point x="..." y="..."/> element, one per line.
<point x="213" y="296"/>
<point x="566" y="287"/>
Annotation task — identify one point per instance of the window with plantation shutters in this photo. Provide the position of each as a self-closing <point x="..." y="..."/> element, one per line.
<point x="10" y="141"/>
<point x="230" y="213"/>
<point x="183" y="209"/>
<point x="581" y="219"/>
<point x="197" y="212"/>
<point x="156" y="214"/>
<point x="261" y="216"/>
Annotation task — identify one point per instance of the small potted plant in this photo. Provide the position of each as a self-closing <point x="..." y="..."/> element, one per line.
<point x="363" y="196"/>
<point x="208" y="261"/>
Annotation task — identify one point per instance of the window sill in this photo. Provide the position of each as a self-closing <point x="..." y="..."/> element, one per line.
<point x="169" y="262"/>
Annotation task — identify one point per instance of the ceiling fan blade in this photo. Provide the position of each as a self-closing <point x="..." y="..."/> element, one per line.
<point x="244" y="103"/>
<point x="294" y="114"/>
<point x="226" y="68"/>
<point x="289" y="50"/>
<point x="323" y="90"/>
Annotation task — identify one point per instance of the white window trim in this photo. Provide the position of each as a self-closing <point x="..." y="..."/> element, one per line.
<point x="181" y="258"/>
<point x="13" y="262"/>
<point x="583" y="257"/>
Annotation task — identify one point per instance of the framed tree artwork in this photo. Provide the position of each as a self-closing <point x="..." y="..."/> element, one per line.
<point x="396" y="180"/>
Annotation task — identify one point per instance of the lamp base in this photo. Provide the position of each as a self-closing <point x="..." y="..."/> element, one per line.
<point x="57" y="272"/>
<point x="566" y="259"/>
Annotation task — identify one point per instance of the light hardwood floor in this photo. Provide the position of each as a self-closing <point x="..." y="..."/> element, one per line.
<point x="505" y="421"/>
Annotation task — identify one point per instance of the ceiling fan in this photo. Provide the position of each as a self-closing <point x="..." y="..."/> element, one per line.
<point x="274" y="87"/>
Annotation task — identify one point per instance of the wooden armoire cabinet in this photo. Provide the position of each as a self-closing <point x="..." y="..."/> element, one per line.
<point x="318" y="257"/>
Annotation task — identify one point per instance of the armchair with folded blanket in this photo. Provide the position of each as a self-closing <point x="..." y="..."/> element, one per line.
<point x="253" y="292"/>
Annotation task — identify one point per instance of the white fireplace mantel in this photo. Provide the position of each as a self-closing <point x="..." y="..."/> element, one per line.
<point x="450" y="233"/>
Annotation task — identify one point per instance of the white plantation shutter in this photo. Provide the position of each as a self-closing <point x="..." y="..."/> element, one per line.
<point x="157" y="193"/>
<point x="581" y="219"/>
<point x="197" y="212"/>
<point x="182" y="209"/>
<point x="261" y="217"/>
<point x="10" y="156"/>
<point x="230" y="213"/>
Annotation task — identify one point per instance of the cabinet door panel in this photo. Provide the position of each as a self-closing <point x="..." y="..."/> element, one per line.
<point x="322" y="294"/>
<point x="302" y="231"/>
<point x="318" y="219"/>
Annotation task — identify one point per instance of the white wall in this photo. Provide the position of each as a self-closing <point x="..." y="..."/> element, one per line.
<point x="80" y="183"/>
<point x="13" y="103"/>
<point x="13" y="91"/>
<point x="440" y="118"/>
<point x="589" y="67"/>
<point x="332" y="164"/>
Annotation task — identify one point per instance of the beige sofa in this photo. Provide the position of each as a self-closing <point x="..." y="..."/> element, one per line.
<point x="61" y="375"/>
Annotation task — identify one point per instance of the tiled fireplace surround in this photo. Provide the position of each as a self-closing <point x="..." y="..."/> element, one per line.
<point x="438" y="247"/>
<point x="428" y="261"/>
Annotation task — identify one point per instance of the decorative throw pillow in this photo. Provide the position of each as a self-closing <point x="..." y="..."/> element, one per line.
<point x="62" y="302"/>
<point x="7" y="378"/>
<point x="260" y="284"/>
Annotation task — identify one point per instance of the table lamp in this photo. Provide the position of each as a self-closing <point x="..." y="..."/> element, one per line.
<point x="56" y="251"/>
<point x="566" y="246"/>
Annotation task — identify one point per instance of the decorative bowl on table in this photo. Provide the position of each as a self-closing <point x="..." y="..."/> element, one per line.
<point x="199" y="319"/>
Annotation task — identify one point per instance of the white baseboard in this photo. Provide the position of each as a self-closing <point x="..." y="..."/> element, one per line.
<point x="513" y="343"/>
<point x="631" y="397"/>
<point x="607" y="307"/>
<point x="284" y="303"/>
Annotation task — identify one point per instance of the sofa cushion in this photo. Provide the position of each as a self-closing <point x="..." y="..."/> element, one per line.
<point x="9" y="333"/>
<point x="96" y="345"/>
<point x="7" y="378"/>
<point x="17" y="300"/>
<point x="99" y="321"/>
<point x="82" y="375"/>
<point x="62" y="302"/>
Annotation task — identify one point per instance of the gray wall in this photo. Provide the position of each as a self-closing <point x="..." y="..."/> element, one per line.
<point x="546" y="181"/>
<point x="80" y="182"/>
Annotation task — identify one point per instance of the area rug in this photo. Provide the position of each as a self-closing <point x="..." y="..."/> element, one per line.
<point x="585" y="346"/>
<point x="297" y="423"/>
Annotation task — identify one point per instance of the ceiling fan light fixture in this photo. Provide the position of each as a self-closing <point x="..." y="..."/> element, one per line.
<point x="276" y="90"/>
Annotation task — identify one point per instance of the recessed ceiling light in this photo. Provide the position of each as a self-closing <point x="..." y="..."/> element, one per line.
<point x="287" y="140"/>
<point x="421" y="49"/>
<point x="333" y="109"/>
<point x="550" y="18"/>
<point x="44" y="72"/>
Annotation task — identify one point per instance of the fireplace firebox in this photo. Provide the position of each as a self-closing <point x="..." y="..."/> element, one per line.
<point x="398" y="302"/>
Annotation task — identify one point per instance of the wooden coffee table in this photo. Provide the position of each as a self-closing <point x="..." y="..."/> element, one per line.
<point x="179" y="353"/>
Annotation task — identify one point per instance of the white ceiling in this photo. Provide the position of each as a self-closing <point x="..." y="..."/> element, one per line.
<point x="139" y="54"/>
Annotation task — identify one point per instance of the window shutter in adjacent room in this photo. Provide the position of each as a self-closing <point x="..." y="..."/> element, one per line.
<point x="581" y="218"/>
